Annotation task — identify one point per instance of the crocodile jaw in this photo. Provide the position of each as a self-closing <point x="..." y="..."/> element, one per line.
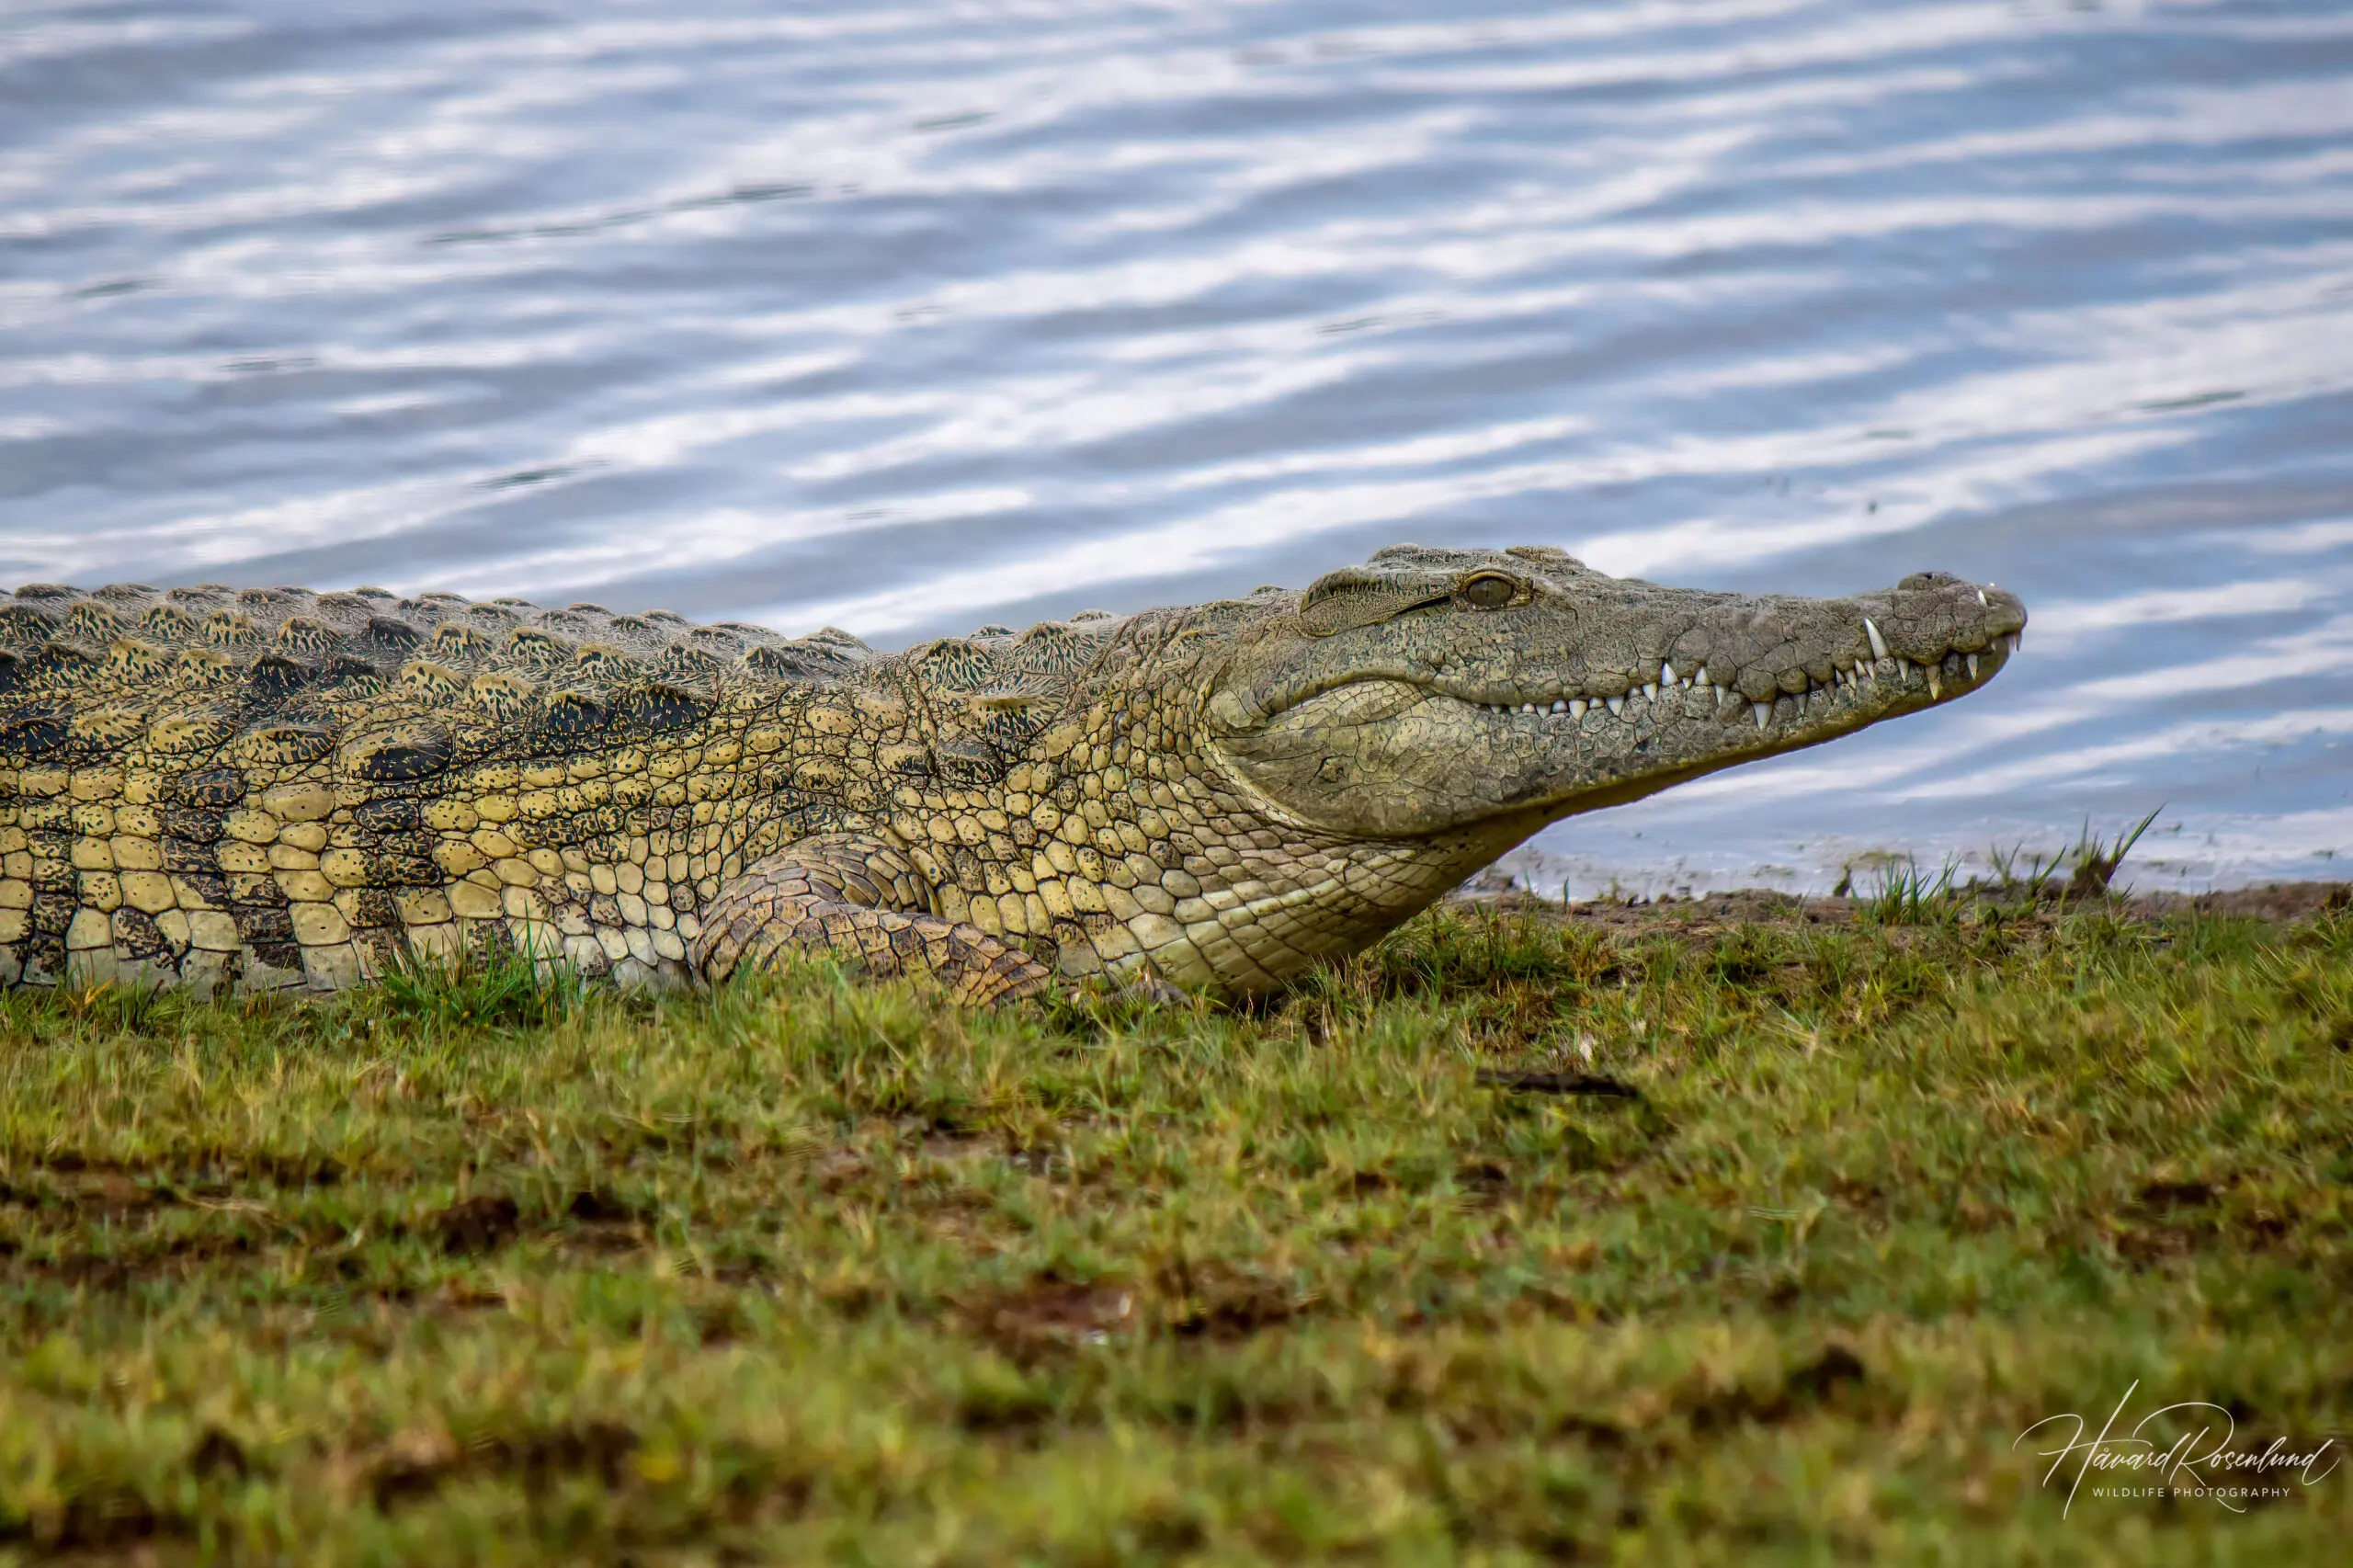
<point x="1480" y="728"/>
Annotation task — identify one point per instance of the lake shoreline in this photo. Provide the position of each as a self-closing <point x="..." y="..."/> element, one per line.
<point x="2264" y="900"/>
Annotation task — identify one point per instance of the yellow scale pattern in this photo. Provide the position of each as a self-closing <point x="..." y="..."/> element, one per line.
<point x="272" y="788"/>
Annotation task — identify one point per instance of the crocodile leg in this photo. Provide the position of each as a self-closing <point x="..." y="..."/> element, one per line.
<point x="860" y="899"/>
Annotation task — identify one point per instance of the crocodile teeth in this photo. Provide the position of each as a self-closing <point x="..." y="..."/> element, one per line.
<point x="1903" y="668"/>
<point x="1577" y="706"/>
<point x="1764" y="711"/>
<point x="1650" y="690"/>
<point x="1617" y="704"/>
<point x="2010" y="642"/>
<point x="1560" y="707"/>
<point x="1701" y="678"/>
<point x="1879" y="644"/>
<point x="1984" y="601"/>
<point x="1527" y="708"/>
<point x="1936" y="686"/>
<point x="1666" y="676"/>
<point x="1724" y="694"/>
<point x="1973" y="667"/>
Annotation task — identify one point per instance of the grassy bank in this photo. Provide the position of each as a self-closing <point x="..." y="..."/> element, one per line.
<point x="1702" y="1234"/>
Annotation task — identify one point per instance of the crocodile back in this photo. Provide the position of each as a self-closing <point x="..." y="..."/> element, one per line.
<point x="198" y="678"/>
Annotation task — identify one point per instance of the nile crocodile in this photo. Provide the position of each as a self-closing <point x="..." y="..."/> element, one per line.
<point x="269" y="787"/>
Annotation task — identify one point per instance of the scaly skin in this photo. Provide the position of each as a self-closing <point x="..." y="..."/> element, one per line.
<point x="273" y="787"/>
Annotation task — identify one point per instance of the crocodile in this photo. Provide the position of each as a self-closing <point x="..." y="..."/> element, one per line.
<point x="257" y="788"/>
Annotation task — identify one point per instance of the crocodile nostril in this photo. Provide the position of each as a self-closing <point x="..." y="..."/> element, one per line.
<point x="1928" y="580"/>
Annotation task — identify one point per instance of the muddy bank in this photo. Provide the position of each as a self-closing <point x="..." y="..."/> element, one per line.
<point x="1750" y="906"/>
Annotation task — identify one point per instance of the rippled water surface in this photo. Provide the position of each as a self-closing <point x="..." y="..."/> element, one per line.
<point x="907" y="317"/>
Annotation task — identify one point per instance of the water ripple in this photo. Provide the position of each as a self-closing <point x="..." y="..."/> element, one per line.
<point x="910" y="316"/>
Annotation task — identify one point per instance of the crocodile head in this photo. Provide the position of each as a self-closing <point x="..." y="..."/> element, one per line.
<point x="1478" y="694"/>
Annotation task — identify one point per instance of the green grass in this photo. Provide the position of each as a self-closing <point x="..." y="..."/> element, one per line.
<point x="481" y="1271"/>
<point x="1901" y="894"/>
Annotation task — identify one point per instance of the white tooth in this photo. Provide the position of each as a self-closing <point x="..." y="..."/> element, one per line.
<point x="1576" y="707"/>
<point x="1701" y="678"/>
<point x="1763" y="711"/>
<point x="1936" y="686"/>
<point x="1724" y="694"/>
<point x="1903" y="669"/>
<point x="1973" y="667"/>
<point x="1982" y="600"/>
<point x="2011" y="643"/>
<point x="1559" y="707"/>
<point x="1617" y="704"/>
<point x="1879" y="644"/>
<point x="1650" y="690"/>
<point x="1666" y="674"/>
<point x="1527" y="708"/>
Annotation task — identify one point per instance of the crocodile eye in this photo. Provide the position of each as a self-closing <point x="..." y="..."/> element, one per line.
<point x="1489" y="591"/>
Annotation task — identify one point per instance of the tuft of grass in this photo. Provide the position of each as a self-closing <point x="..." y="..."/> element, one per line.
<point x="2022" y="880"/>
<point x="1905" y="895"/>
<point x="1663" y="1235"/>
<point x="2024" y="874"/>
<point x="494" y="989"/>
<point x="2097" y="863"/>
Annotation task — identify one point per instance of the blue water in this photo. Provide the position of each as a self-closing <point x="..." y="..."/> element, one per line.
<point x="910" y="317"/>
